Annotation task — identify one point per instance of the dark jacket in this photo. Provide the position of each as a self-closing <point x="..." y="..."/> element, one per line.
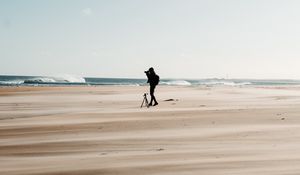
<point x="153" y="79"/>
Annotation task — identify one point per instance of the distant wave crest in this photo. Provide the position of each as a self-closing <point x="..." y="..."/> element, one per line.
<point x="71" y="79"/>
<point x="12" y="82"/>
<point x="206" y="82"/>
<point x="65" y="79"/>
<point x="225" y="83"/>
<point x="176" y="83"/>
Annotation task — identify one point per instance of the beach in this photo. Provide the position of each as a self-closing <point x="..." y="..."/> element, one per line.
<point x="209" y="130"/>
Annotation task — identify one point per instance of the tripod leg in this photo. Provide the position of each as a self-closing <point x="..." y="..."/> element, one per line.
<point x="142" y="103"/>
<point x="146" y="101"/>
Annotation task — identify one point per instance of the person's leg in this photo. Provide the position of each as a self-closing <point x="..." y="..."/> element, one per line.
<point x="152" y="94"/>
<point x="152" y="88"/>
<point x="155" y="102"/>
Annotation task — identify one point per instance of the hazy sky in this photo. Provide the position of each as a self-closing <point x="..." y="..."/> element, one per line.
<point x="179" y="38"/>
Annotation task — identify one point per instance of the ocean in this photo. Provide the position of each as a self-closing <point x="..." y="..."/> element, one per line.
<point x="6" y="80"/>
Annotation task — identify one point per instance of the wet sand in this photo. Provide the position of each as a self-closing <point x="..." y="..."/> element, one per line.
<point x="103" y="130"/>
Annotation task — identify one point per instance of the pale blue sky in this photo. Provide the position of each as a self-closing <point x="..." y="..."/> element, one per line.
<point x="179" y="38"/>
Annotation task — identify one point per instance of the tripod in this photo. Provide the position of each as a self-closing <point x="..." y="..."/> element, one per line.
<point x="145" y="100"/>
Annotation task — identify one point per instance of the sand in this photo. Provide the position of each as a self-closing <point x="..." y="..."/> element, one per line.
<point x="102" y="130"/>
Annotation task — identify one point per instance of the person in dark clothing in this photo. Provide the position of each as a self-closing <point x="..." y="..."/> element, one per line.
<point x="153" y="80"/>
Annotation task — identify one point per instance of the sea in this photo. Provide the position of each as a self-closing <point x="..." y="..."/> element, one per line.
<point x="67" y="80"/>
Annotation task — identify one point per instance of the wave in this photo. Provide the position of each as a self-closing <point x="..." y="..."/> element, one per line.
<point x="40" y="80"/>
<point x="176" y="83"/>
<point x="225" y="83"/>
<point x="12" y="83"/>
<point x="70" y="79"/>
<point x="203" y="82"/>
<point x="65" y="79"/>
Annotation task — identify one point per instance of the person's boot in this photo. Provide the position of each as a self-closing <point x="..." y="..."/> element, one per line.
<point x="155" y="102"/>
<point x="150" y="104"/>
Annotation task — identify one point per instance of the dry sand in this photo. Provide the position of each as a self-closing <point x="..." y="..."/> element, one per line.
<point x="102" y="130"/>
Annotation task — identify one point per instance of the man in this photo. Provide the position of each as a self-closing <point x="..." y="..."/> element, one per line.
<point x="153" y="80"/>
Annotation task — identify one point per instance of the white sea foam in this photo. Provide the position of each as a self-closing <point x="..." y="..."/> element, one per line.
<point x="13" y="82"/>
<point x="206" y="82"/>
<point x="69" y="79"/>
<point x="56" y="79"/>
<point x="176" y="82"/>
<point x="37" y="80"/>
<point x="226" y="83"/>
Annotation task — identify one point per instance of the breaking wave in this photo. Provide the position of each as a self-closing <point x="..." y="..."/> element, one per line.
<point x="66" y="79"/>
<point x="36" y="80"/>
<point x="176" y="83"/>
<point x="225" y="83"/>
<point x="12" y="83"/>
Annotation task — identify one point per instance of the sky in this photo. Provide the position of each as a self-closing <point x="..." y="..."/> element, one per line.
<point x="123" y="38"/>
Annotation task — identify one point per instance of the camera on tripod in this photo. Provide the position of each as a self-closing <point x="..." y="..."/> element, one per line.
<point x="145" y="101"/>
